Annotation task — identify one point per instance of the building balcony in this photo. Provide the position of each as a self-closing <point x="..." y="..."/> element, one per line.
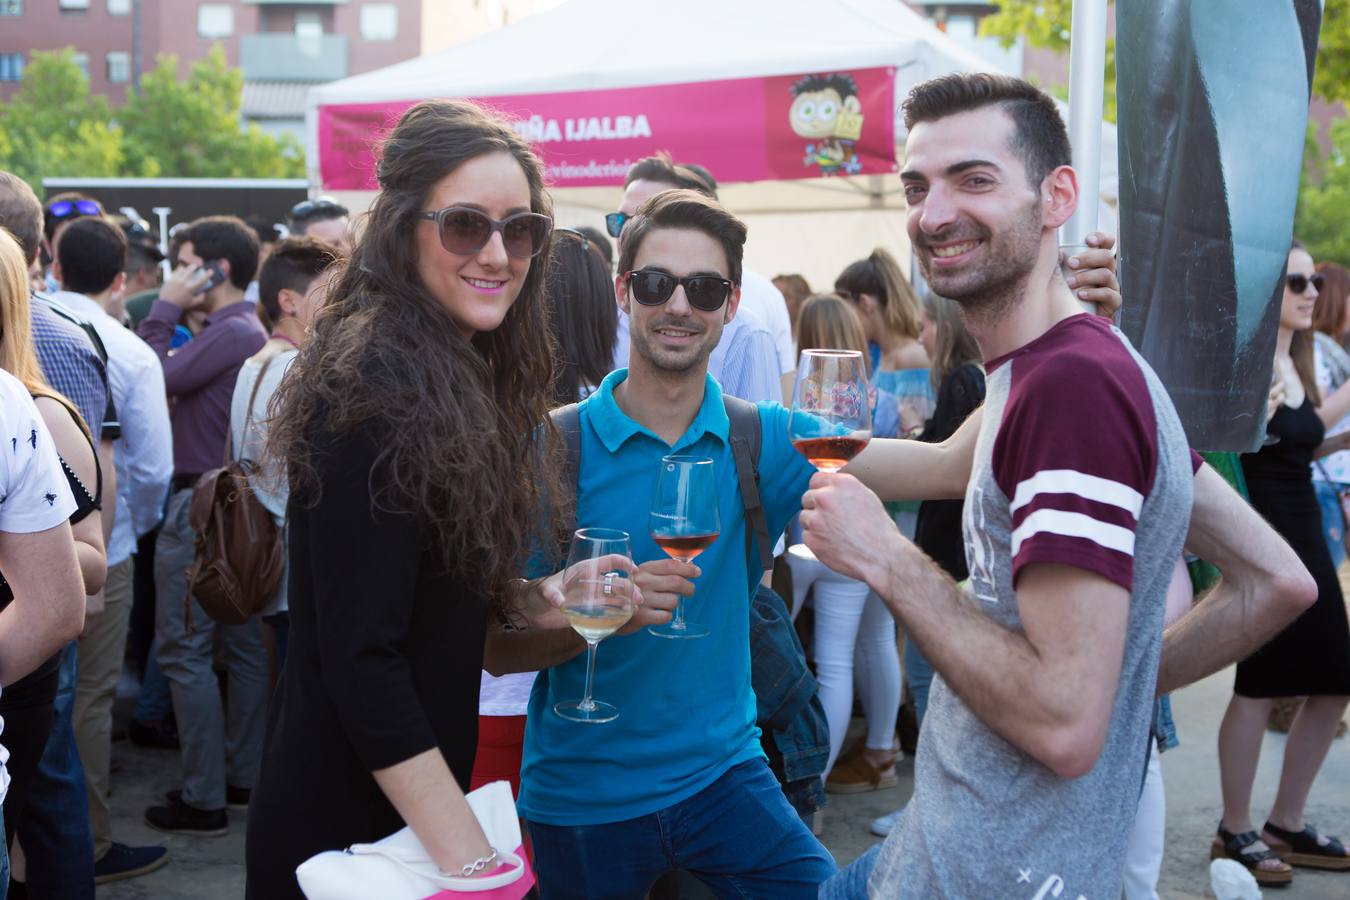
<point x="283" y="56"/>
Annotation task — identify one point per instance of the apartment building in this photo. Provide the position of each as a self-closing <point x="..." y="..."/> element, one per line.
<point x="283" y="46"/>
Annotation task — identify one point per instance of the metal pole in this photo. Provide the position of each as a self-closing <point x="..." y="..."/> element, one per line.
<point x="1087" y="72"/>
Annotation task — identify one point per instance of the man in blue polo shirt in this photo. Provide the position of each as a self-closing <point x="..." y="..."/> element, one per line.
<point x="678" y="780"/>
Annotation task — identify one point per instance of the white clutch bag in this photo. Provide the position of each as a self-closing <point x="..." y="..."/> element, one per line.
<point x="398" y="867"/>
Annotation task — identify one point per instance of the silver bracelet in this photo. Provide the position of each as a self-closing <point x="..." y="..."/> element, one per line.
<point x="479" y="864"/>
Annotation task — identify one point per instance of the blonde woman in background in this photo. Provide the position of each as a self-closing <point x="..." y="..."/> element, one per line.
<point x="852" y="626"/>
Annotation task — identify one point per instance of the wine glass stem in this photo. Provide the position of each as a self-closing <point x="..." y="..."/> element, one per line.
<point x="588" y="704"/>
<point x="677" y="623"/>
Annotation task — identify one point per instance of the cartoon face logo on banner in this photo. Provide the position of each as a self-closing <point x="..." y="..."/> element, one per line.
<point x="826" y="110"/>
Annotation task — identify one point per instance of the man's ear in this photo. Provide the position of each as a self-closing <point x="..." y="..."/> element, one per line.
<point x="286" y="301"/>
<point x="621" y="293"/>
<point x="56" y="269"/>
<point x="119" y="283"/>
<point x="733" y="304"/>
<point x="1060" y="196"/>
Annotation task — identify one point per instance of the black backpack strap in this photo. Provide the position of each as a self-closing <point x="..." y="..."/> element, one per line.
<point x="567" y="419"/>
<point x="746" y="437"/>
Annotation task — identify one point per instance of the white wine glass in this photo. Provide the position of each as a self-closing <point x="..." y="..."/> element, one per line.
<point x="684" y="522"/>
<point x="831" y="418"/>
<point x="597" y="601"/>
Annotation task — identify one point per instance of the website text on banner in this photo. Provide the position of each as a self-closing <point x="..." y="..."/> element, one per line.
<point x="746" y="129"/>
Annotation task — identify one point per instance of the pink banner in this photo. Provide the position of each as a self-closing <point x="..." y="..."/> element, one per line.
<point x="746" y="129"/>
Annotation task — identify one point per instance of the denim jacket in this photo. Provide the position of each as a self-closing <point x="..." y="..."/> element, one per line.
<point x="787" y="708"/>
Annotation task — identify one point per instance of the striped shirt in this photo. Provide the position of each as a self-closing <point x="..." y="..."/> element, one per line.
<point x="1081" y="461"/>
<point x="72" y="366"/>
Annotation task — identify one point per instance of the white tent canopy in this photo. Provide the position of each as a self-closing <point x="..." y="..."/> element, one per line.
<point x="811" y="226"/>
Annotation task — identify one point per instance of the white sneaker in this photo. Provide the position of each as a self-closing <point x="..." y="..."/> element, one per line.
<point x="882" y="827"/>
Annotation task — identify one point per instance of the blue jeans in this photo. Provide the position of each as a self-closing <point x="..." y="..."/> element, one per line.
<point x="739" y="836"/>
<point x="1333" y="519"/>
<point x="56" y="834"/>
<point x="154" y="703"/>
<point x="851" y="881"/>
<point x="919" y="676"/>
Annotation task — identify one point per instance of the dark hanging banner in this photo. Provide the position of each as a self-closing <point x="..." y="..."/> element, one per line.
<point x="1212" y="99"/>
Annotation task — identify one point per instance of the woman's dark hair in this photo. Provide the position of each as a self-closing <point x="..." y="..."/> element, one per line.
<point x="879" y="275"/>
<point x="1329" y="313"/>
<point x="953" y="346"/>
<point x="461" y="422"/>
<point x="585" y="317"/>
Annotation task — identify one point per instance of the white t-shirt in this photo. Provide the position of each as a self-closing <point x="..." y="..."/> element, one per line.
<point x="34" y="493"/>
<point x="766" y="302"/>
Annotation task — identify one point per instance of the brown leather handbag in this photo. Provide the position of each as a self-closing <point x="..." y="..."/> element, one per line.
<point x="240" y="550"/>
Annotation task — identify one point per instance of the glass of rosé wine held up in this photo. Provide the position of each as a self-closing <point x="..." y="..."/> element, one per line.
<point x="597" y="601"/>
<point x="831" y="418"/>
<point x="684" y="522"/>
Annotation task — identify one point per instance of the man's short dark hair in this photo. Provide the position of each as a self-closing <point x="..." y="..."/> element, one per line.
<point x="320" y="209"/>
<point x="21" y="214"/>
<point x="92" y="253"/>
<point x="293" y="264"/>
<point x="266" y="231"/>
<point x="1039" y="135"/>
<point x="661" y="168"/>
<point x="226" y="237"/>
<point x="139" y="259"/>
<point x="51" y="222"/>
<point x="688" y="210"/>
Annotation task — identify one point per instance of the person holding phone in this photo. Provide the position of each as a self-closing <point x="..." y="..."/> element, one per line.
<point x="217" y="259"/>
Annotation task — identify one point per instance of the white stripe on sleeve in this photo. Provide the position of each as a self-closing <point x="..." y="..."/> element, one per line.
<point x="1074" y="525"/>
<point x="1080" y="484"/>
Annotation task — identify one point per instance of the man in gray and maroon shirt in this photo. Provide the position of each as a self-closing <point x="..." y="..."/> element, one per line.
<point x="1079" y="492"/>
<point x="217" y="260"/>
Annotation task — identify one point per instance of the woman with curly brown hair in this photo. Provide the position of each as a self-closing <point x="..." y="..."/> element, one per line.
<point x="410" y="425"/>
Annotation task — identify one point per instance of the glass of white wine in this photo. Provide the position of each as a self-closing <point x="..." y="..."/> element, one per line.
<point x="597" y="601"/>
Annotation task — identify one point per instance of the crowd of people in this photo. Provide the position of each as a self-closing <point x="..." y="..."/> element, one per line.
<point x="430" y="401"/>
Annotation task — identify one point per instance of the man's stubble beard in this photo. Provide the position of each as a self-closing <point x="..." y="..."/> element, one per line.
<point x="988" y="294"/>
<point x="654" y="359"/>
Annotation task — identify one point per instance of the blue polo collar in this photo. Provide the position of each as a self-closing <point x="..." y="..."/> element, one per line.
<point x="614" y="427"/>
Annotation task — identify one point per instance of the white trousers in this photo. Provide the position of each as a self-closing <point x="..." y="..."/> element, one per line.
<point x="1144" y="850"/>
<point x="853" y="629"/>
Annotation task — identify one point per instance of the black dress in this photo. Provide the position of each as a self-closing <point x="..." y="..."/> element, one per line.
<point x="938" y="529"/>
<point x="1311" y="655"/>
<point x="384" y="661"/>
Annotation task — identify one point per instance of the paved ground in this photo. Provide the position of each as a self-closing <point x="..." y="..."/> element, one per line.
<point x="213" y="867"/>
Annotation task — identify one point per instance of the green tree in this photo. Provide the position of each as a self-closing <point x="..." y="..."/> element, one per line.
<point x="190" y="128"/>
<point x="1323" y="218"/>
<point x="1332" y="78"/>
<point x="53" y="126"/>
<point x="1047" y="23"/>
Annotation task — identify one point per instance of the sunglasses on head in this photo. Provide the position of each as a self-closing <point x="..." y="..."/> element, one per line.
<point x="321" y="205"/>
<point x="614" y="223"/>
<point x="1299" y="283"/>
<point x="64" y="209"/>
<point x="465" y="231"/>
<point x="652" y="287"/>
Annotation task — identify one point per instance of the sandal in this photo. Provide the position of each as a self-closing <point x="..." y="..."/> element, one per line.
<point x="1248" y="850"/>
<point x="1308" y="848"/>
<point x="858" y="776"/>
